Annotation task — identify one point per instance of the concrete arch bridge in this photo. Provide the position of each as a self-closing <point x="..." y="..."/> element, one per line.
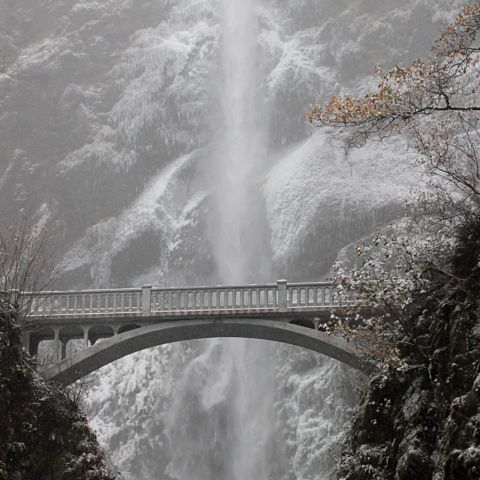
<point x="129" y="320"/>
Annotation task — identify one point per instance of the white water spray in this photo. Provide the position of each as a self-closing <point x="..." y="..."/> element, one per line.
<point x="239" y="234"/>
<point x="240" y="150"/>
<point x="227" y="395"/>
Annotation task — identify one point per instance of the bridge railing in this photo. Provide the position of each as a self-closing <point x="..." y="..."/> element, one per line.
<point x="320" y="294"/>
<point x="149" y="300"/>
<point x="215" y="298"/>
<point x="86" y="302"/>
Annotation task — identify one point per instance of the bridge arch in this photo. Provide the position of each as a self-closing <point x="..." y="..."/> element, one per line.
<point x="114" y="348"/>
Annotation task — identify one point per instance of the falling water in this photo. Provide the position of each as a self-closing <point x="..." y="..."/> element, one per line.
<point x="232" y="380"/>
<point x="239" y="155"/>
<point x="239" y="151"/>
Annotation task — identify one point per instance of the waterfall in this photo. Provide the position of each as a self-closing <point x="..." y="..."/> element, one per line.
<point x="231" y="383"/>
<point x="239" y="150"/>
<point x="239" y="156"/>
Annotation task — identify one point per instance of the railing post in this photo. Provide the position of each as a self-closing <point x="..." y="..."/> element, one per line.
<point x="146" y="299"/>
<point x="282" y="295"/>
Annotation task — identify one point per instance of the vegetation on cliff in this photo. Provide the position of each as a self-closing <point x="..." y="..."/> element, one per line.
<point x="422" y="421"/>
<point x="43" y="433"/>
<point x="420" y="416"/>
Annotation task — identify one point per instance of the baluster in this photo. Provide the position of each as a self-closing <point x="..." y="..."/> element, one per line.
<point x="206" y="300"/>
<point x="153" y="301"/>
<point x="180" y="300"/>
<point x="162" y="301"/>
<point x="328" y="295"/>
<point x="222" y="300"/>
<point x="176" y="297"/>
<point x="191" y="304"/>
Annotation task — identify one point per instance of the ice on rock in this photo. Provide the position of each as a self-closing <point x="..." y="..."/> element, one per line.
<point x="156" y="209"/>
<point x="315" y="180"/>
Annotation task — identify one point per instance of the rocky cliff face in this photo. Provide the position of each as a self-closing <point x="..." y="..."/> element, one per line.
<point x="109" y="113"/>
<point x="43" y="434"/>
<point x="424" y="422"/>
